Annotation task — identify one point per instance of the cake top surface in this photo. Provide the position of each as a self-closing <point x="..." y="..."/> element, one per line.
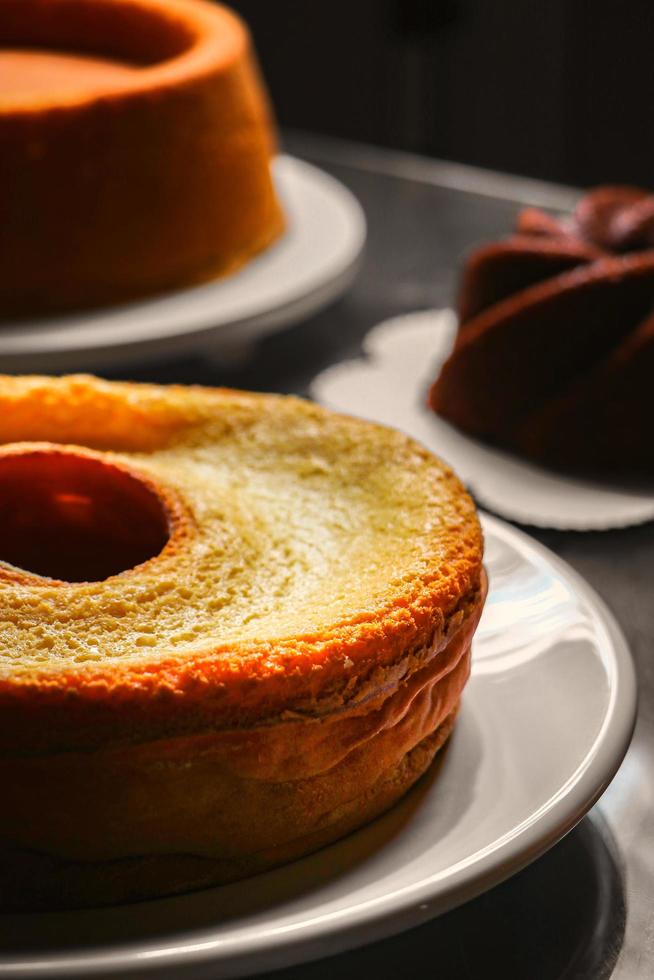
<point x="295" y="535"/>
<point x="34" y="73"/>
<point x="57" y="54"/>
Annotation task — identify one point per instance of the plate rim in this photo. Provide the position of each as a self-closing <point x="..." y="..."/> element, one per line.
<point x="415" y="903"/>
<point x="27" y="342"/>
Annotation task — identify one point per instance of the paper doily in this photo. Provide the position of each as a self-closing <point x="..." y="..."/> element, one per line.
<point x="389" y="385"/>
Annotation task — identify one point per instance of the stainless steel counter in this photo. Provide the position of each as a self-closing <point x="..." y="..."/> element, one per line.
<point x="586" y="909"/>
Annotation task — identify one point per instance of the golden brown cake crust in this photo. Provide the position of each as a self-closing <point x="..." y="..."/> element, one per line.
<point x="33" y="881"/>
<point x="261" y="685"/>
<point x="134" y="184"/>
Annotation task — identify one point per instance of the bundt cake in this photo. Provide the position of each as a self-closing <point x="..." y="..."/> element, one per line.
<point x="233" y="628"/>
<point x="135" y="145"/>
<point x="554" y="356"/>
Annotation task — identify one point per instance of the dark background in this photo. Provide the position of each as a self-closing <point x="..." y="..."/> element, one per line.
<point x="558" y="89"/>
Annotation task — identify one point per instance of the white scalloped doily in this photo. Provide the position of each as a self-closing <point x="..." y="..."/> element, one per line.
<point x="389" y="385"/>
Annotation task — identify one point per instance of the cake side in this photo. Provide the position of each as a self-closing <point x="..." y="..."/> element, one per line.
<point x="146" y="183"/>
<point x="553" y="322"/>
<point x="31" y="881"/>
<point x="164" y="817"/>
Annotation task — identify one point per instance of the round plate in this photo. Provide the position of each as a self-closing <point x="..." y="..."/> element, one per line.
<point x="311" y="264"/>
<point x="546" y="719"/>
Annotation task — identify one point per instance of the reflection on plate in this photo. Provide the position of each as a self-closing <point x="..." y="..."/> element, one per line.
<point x="390" y="385"/>
<point x="545" y="722"/>
<point x="310" y="266"/>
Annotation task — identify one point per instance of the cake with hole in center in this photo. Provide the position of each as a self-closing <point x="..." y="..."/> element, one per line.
<point x="234" y="627"/>
<point x="135" y="146"/>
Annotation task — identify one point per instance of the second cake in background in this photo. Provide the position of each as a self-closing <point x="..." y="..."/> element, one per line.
<point x="554" y="356"/>
<point x="135" y="146"/>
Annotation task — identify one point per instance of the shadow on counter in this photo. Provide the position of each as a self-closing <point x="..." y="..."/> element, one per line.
<point x="562" y="918"/>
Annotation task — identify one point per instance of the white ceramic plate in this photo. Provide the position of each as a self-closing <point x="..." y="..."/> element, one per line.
<point x="402" y="357"/>
<point x="546" y="719"/>
<point x="312" y="264"/>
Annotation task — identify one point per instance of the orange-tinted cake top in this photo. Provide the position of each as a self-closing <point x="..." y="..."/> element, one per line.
<point x="46" y="73"/>
<point x="290" y="556"/>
